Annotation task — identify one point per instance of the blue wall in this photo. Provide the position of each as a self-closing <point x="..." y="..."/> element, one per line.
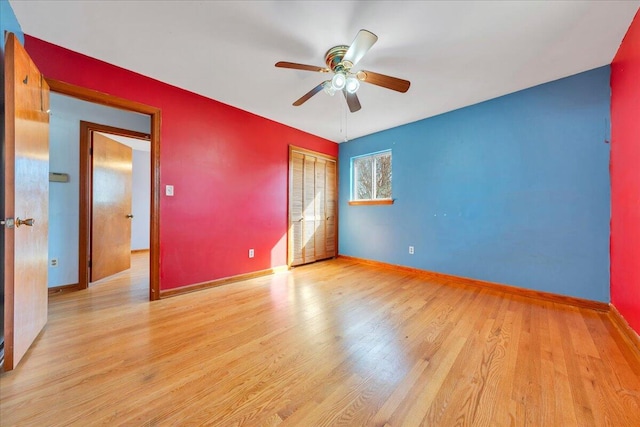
<point x="9" y="22"/>
<point x="514" y="190"/>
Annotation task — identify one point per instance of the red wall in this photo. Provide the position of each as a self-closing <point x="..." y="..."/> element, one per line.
<point x="625" y="177"/>
<point x="228" y="168"/>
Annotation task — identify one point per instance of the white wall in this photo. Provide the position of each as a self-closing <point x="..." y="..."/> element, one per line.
<point x="141" y="200"/>
<point x="64" y="141"/>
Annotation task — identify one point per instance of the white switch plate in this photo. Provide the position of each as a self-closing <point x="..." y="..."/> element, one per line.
<point x="169" y="190"/>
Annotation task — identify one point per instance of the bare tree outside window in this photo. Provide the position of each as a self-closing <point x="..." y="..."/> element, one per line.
<point x="371" y="176"/>
<point x="363" y="167"/>
<point x="383" y="176"/>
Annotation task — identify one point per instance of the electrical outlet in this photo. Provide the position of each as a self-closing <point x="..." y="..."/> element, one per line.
<point x="53" y="262"/>
<point x="251" y="253"/>
<point x="169" y="190"/>
<point x="411" y="250"/>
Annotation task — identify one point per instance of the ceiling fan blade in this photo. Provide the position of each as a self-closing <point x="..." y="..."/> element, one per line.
<point x="309" y="94"/>
<point x="361" y="45"/>
<point x="284" y="64"/>
<point x="352" y="101"/>
<point x="388" y="82"/>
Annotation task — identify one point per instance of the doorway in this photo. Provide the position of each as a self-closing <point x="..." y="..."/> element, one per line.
<point x="313" y="206"/>
<point x="65" y="148"/>
<point x="110" y="180"/>
<point x="154" y="141"/>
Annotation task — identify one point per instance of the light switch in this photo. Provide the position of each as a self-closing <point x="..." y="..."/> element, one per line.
<point x="169" y="190"/>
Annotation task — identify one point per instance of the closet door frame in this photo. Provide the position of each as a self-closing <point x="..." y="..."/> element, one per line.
<point x="290" y="220"/>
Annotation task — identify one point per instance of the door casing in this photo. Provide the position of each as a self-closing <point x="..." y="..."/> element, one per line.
<point x="325" y="157"/>
<point x="154" y="139"/>
<point x="85" y="243"/>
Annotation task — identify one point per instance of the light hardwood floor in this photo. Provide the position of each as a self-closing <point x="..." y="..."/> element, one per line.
<point x="332" y="343"/>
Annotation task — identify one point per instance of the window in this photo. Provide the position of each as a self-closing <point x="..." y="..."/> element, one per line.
<point x="371" y="179"/>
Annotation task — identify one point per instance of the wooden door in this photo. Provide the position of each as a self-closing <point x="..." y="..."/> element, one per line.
<point x="331" y="210"/>
<point x="308" y="216"/>
<point x="112" y="166"/>
<point x="312" y="207"/>
<point x="26" y="200"/>
<point x="319" y="223"/>
<point x="296" y="209"/>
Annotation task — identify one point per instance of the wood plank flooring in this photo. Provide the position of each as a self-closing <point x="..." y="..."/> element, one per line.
<point x="332" y="343"/>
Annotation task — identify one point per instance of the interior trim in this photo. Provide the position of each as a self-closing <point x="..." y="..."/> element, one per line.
<point x="156" y="117"/>
<point x="528" y="293"/>
<point x="625" y="329"/>
<point x="224" y="281"/>
<point x="86" y="194"/>
<point x="313" y="153"/>
<point x="54" y="290"/>
<point x="370" y="202"/>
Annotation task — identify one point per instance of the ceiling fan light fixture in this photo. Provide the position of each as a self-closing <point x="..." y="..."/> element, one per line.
<point x="328" y="88"/>
<point x="352" y="84"/>
<point x="338" y="81"/>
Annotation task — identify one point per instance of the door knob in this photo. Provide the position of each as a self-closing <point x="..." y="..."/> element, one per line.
<point x="130" y="216"/>
<point x="28" y="222"/>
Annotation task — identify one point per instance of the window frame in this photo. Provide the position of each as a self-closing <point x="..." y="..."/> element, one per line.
<point x="381" y="201"/>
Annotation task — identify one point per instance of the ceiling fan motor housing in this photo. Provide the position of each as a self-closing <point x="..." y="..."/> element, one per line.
<point x="333" y="58"/>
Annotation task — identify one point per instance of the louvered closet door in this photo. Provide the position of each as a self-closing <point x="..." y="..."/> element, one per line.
<point x="331" y="197"/>
<point x="312" y="207"/>
<point x="309" y="209"/>
<point x="296" y="185"/>
<point x="319" y="199"/>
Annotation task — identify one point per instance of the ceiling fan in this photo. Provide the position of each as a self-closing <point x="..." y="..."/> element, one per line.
<point x="340" y="61"/>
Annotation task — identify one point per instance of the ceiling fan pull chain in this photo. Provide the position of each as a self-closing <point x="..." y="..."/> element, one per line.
<point x="346" y="118"/>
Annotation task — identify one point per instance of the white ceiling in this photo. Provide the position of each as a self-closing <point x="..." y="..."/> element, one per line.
<point x="134" y="143"/>
<point x="454" y="53"/>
